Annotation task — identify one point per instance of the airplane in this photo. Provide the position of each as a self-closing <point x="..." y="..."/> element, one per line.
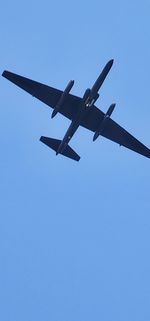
<point x="81" y="111"/>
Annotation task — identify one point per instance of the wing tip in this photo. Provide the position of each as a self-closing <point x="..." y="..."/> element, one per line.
<point x="4" y="74"/>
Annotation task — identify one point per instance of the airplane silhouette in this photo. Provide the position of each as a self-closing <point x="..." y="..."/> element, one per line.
<point x="81" y="111"/>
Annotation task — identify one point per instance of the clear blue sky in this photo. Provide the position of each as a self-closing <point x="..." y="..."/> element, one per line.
<point x="74" y="237"/>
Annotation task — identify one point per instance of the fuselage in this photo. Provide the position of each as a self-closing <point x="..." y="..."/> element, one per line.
<point x="89" y="98"/>
<point x="73" y="127"/>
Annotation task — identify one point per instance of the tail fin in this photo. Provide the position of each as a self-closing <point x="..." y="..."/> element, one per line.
<point x="54" y="144"/>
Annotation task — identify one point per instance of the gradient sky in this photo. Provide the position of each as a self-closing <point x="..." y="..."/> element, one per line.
<point x="74" y="237"/>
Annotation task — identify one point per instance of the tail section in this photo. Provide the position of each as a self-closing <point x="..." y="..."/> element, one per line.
<point x="54" y="144"/>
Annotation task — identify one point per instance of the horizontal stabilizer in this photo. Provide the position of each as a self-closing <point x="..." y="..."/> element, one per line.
<point x="54" y="144"/>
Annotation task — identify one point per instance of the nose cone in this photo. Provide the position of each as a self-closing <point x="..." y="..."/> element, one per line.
<point x="110" y="63"/>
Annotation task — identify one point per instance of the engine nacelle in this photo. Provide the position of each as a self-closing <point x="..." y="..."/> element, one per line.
<point x="62" y="98"/>
<point x="86" y="95"/>
<point x="89" y="99"/>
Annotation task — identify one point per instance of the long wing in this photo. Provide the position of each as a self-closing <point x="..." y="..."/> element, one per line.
<point x="114" y="132"/>
<point x="48" y="95"/>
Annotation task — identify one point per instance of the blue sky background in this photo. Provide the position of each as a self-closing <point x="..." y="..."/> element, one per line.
<point x="74" y="237"/>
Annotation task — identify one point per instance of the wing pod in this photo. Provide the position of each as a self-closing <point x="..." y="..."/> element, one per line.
<point x="62" y="98"/>
<point x="110" y="110"/>
<point x="103" y="123"/>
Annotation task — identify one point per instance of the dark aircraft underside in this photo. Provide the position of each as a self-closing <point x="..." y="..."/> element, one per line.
<point x="81" y="112"/>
